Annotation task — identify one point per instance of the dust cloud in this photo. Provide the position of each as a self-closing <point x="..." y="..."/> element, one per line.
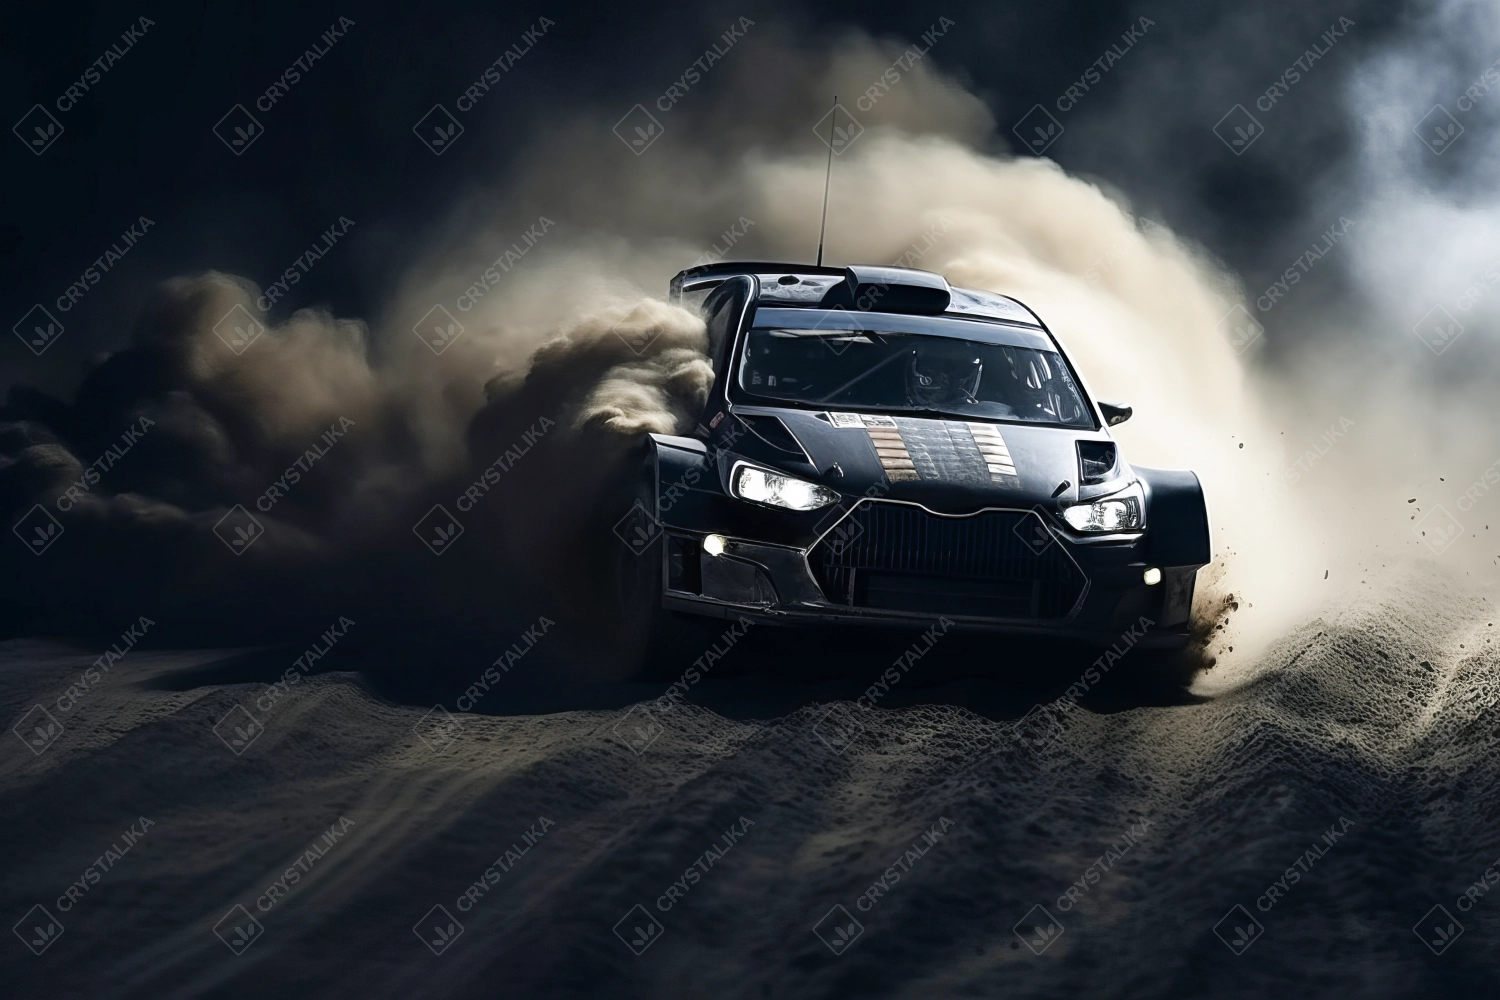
<point x="568" y="324"/>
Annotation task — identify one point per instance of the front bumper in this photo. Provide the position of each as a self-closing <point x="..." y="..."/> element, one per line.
<point x="906" y="569"/>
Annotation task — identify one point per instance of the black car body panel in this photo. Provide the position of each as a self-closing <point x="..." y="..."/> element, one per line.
<point x="936" y="515"/>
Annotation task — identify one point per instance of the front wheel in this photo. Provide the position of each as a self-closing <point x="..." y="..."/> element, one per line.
<point x="652" y="643"/>
<point x="647" y="642"/>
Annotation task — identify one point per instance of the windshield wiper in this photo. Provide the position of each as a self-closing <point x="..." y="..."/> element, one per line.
<point x="884" y="409"/>
<point x="924" y="411"/>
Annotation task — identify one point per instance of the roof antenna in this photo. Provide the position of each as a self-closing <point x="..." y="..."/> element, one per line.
<point x="827" y="174"/>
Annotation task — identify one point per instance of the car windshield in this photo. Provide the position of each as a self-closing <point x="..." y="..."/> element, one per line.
<point x="938" y="366"/>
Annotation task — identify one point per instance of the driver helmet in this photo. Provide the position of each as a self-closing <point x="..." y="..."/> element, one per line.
<point x="933" y="380"/>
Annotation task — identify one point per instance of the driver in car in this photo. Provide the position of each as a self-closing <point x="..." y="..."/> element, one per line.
<point x="936" y="379"/>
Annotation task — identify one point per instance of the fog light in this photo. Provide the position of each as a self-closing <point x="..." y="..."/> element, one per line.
<point x="1152" y="576"/>
<point x="714" y="546"/>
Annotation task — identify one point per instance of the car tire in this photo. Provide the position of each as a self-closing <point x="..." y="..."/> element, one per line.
<point x="648" y="642"/>
<point x="652" y="642"/>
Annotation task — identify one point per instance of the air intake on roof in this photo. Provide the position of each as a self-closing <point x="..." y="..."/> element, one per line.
<point x="890" y="289"/>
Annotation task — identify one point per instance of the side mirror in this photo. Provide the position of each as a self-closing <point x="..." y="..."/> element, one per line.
<point x="1115" y="413"/>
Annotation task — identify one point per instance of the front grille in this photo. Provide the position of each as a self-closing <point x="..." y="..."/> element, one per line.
<point x="902" y="558"/>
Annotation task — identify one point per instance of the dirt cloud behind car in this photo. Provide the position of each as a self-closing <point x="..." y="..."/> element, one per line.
<point x="578" y="335"/>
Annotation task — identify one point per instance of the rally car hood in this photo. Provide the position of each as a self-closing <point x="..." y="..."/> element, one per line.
<point x="947" y="465"/>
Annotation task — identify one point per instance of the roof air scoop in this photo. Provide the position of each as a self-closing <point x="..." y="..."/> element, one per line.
<point x="890" y="289"/>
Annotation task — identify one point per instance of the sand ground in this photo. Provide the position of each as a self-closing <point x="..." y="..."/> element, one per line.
<point x="1167" y="810"/>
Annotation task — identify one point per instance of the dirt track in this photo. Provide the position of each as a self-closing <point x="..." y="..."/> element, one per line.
<point x="1376" y="722"/>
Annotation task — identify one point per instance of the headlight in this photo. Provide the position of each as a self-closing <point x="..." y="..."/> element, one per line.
<point x="776" y="490"/>
<point x="1122" y="511"/>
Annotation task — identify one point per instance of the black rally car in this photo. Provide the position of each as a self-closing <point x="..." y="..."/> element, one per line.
<point x="881" y="448"/>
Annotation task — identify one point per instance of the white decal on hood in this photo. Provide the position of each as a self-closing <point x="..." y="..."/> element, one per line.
<point x="892" y="453"/>
<point x="996" y="454"/>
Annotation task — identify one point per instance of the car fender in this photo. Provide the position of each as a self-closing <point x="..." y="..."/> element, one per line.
<point x="1177" y="528"/>
<point x="678" y="470"/>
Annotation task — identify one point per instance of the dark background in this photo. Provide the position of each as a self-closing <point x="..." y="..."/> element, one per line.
<point x="341" y="143"/>
<point x="1379" y="713"/>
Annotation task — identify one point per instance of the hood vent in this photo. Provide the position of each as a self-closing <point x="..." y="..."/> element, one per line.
<point x="774" y="433"/>
<point x="1096" y="462"/>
